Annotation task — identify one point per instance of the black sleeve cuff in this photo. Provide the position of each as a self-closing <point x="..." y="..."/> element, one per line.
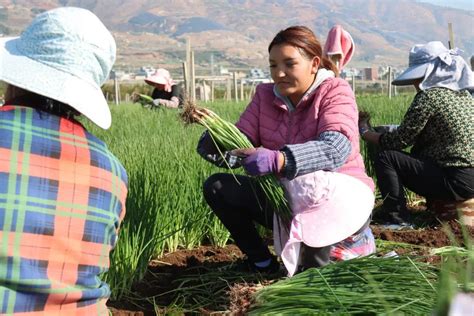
<point x="289" y="169"/>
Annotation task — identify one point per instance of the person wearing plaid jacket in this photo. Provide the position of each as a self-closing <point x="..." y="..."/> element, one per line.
<point x="62" y="191"/>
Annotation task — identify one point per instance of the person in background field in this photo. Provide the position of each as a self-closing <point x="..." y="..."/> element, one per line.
<point x="62" y="192"/>
<point x="339" y="47"/>
<point x="439" y="125"/>
<point x="304" y="128"/>
<point x="166" y="92"/>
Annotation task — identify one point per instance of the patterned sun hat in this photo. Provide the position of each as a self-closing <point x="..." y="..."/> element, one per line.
<point x="65" y="54"/>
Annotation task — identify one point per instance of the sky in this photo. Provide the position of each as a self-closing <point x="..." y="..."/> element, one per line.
<point x="458" y="4"/>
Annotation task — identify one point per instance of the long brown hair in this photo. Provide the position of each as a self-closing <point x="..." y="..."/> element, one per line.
<point x="306" y="42"/>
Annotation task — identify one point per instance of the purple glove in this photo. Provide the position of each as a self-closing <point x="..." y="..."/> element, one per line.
<point x="258" y="161"/>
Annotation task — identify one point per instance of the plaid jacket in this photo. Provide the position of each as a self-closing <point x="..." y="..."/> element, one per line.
<point x="62" y="198"/>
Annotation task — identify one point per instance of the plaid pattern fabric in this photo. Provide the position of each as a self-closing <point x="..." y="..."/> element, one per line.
<point x="62" y="198"/>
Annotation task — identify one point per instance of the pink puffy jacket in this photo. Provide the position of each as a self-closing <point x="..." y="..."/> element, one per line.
<point x="330" y="107"/>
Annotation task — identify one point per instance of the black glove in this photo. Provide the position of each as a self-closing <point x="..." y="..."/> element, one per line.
<point x="364" y="123"/>
<point x="206" y="145"/>
<point x="208" y="150"/>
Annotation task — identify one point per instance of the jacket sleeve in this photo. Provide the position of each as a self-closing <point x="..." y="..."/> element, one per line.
<point x="248" y="122"/>
<point x="328" y="152"/>
<point x="414" y="121"/>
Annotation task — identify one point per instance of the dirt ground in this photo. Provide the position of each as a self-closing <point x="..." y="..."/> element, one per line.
<point x="211" y="280"/>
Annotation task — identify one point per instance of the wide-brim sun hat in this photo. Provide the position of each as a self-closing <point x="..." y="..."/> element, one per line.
<point x="161" y="76"/>
<point x="418" y="61"/>
<point x="328" y="206"/>
<point x="65" y="54"/>
<point x="155" y="79"/>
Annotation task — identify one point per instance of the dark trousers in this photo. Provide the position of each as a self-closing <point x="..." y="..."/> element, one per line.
<point x="396" y="170"/>
<point x="239" y="206"/>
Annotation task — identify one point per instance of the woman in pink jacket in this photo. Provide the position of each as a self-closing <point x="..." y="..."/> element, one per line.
<point x="304" y="129"/>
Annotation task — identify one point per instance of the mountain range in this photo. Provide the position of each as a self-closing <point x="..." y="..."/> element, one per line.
<point x="236" y="32"/>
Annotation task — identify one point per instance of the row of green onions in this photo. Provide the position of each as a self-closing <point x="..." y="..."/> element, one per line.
<point x="366" y="286"/>
<point x="229" y="137"/>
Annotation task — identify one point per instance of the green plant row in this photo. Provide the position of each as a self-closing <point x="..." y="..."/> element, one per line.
<point x="365" y="286"/>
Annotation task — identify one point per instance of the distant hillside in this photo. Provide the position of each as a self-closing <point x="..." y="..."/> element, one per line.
<point x="237" y="32"/>
<point x="458" y="4"/>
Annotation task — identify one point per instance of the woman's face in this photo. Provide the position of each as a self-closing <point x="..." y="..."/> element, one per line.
<point x="159" y="86"/>
<point x="292" y="72"/>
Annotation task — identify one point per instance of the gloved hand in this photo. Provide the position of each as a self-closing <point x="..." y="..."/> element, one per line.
<point x="208" y="150"/>
<point x="260" y="161"/>
<point x="364" y="123"/>
<point x="156" y="102"/>
<point x="206" y="146"/>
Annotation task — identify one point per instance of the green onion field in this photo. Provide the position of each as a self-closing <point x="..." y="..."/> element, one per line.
<point x="165" y="211"/>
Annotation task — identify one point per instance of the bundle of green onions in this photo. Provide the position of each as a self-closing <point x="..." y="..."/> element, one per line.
<point x="227" y="136"/>
<point x="143" y="99"/>
<point x="365" y="286"/>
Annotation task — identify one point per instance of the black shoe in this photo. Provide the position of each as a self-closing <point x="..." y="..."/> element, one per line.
<point x="381" y="215"/>
<point x="398" y="218"/>
<point x="272" y="268"/>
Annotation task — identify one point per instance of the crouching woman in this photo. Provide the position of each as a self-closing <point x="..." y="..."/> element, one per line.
<point x="304" y="129"/>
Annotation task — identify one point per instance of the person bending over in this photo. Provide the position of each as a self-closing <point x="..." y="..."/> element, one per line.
<point x="166" y="92"/>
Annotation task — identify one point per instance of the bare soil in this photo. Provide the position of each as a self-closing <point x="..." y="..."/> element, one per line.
<point x="211" y="280"/>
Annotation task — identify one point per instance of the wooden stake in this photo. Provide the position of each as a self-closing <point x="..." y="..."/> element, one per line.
<point x="451" y="36"/>
<point x="389" y="82"/>
<point x="236" y="96"/>
<point x="212" y="90"/>
<point x="204" y="87"/>
<point x="193" y="78"/>
<point x="229" y="90"/>
<point x="188" y="66"/>
<point x="117" y="91"/>
<point x="186" y="79"/>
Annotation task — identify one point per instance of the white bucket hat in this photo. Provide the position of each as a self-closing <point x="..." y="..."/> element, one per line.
<point x="438" y="66"/>
<point x="65" y="54"/>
